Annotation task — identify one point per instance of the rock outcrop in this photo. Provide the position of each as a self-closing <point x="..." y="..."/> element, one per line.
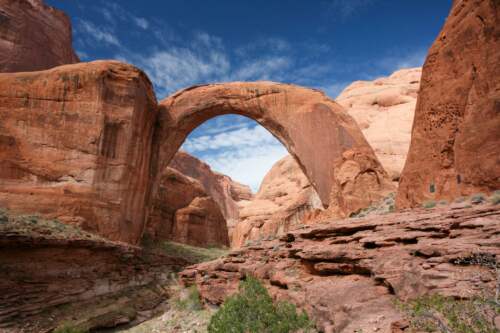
<point x="322" y="137"/>
<point x="33" y="36"/>
<point x="455" y="145"/>
<point x="75" y="144"/>
<point x="223" y="190"/>
<point x="51" y="271"/>
<point x="182" y="211"/>
<point x="384" y="110"/>
<point x="348" y="274"/>
<point x="284" y="200"/>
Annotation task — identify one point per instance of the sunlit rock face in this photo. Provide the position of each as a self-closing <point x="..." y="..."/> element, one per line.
<point x="33" y="36"/>
<point x="384" y="110"/>
<point x="455" y="143"/>
<point x="284" y="200"/>
<point x="75" y="144"/>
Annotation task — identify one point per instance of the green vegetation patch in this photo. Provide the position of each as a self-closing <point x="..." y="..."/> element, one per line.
<point x="253" y="311"/>
<point x="444" y="314"/>
<point x="190" y="253"/>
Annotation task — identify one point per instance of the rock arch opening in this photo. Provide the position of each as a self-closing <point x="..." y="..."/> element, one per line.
<point x="325" y="142"/>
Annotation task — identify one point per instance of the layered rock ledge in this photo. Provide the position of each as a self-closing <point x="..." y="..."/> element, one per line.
<point x="348" y="274"/>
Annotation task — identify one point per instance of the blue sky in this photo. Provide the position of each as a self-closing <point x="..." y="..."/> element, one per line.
<point x="324" y="44"/>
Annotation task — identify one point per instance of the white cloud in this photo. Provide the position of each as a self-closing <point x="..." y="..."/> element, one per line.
<point x="248" y="165"/>
<point x="242" y="137"/>
<point x="141" y="22"/>
<point x="347" y="8"/>
<point x="245" y="154"/>
<point x="99" y="34"/>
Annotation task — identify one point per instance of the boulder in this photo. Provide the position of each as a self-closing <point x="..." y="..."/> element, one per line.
<point x="33" y="36"/>
<point x="75" y="144"/>
<point x="455" y="142"/>
<point x="384" y="109"/>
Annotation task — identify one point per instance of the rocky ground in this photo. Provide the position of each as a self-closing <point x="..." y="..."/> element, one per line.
<point x="348" y="274"/>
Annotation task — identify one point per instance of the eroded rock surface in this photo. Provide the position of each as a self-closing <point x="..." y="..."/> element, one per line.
<point x="384" y="110"/>
<point x="184" y="212"/>
<point x="455" y="145"/>
<point x="33" y="36"/>
<point x="284" y="199"/>
<point x="348" y="273"/>
<point x="223" y="190"/>
<point x="75" y="144"/>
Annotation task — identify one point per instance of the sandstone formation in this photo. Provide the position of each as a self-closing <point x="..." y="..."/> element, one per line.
<point x="33" y="36"/>
<point x="223" y="190"/>
<point x="75" y="144"/>
<point x="347" y="274"/>
<point x="384" y="110"/>
<point x="455" y="145"/>
<point x="284" y="200"/>
<point x="182" y="211"/>
<point x="52" y="273"/>
<point x="323" y="138"/>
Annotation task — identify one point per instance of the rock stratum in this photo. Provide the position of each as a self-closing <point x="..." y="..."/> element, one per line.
<point x="33" y="36"/>
<point x="348" y="274"/>
<point x="455" y="141"/>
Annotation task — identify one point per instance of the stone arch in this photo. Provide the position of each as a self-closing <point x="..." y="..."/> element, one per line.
<point x="324" y="140"/>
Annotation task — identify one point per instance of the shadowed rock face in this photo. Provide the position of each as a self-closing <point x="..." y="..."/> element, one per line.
<point x="223" y="190"/>
<point x="75" y="144"/>
<point x="33" y="36"/>
<point x="455" y="146"/>
<point x="347" y="274"/>
<point x="182" y="211"/>
<point x="325" y="141"/>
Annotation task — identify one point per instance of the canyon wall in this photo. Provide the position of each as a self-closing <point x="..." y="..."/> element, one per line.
<point x="455" y="142"/>
<point x="33" y="36"/>
<point x="75" y="144"/>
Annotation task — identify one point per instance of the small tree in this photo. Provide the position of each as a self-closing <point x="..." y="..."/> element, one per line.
<point x="253" y="311"/>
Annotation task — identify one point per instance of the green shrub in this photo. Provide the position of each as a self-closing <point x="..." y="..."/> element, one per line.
<point x="477" y="198"/>
<point x="69" y="328"/>
<point x="495" y="198"/>
<point x="253" y="311"/>
<point x="443" y="314"/>
<point x="429" y="204"/>
<point x="189" y="300"/>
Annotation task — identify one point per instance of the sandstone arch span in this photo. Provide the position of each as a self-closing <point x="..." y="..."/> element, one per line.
<point x="318" y="133"/>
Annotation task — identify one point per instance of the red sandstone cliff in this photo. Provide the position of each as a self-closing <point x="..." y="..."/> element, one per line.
<point x="33" y="36"/>
<point x="455" y="144"/>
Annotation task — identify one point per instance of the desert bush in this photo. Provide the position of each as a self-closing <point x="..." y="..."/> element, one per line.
<point x="69" y="328"/>
<point x="429" y="204"/>
<point x="253" y="311"/>
<point x="436" y="313"/>
<point x="495" y="198"/>
<point x="477" y="198"/>
<point x="189" y="299"/>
